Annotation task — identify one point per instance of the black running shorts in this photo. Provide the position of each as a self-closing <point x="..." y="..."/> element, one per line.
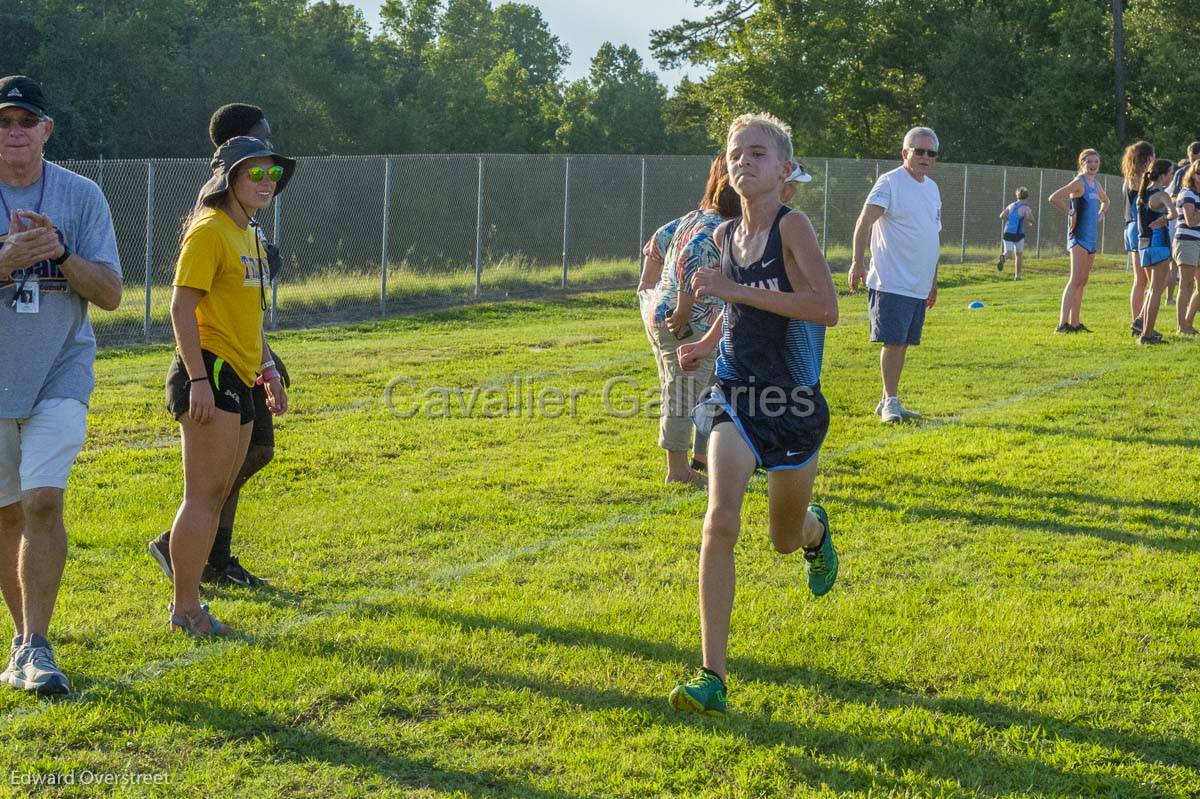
<point x="230" y="394"/>
<point x="783" y="427"/>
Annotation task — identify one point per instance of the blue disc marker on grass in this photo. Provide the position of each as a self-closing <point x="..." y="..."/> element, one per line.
<point x="975" y="304"/>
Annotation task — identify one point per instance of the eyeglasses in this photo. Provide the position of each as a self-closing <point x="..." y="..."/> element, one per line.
<point x="257" y="173"/>
<point x="26" y="122"/>
<point x="921" y="151"/>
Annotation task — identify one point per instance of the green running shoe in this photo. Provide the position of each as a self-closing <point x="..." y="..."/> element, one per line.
<point x="821" y="564"/>
<point x="703" y="694"/>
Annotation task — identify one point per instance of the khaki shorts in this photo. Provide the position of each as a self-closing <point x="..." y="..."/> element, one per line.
<point x="680" y="390"/>
<point x="39" y="451"/>
<point x="1186" y="251"/>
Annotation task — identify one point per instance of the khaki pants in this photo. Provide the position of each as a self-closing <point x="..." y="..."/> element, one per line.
<point x="680" y="389"/>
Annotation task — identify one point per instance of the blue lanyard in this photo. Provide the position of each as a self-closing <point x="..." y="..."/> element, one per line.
<point x="8" y="216"/>
<point x="41" y="196"/>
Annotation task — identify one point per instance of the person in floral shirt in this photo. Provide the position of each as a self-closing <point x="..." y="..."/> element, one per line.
<point x="673" y="316"/>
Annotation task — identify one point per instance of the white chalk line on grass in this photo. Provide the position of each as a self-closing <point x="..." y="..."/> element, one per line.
<point x="211" y="650"/>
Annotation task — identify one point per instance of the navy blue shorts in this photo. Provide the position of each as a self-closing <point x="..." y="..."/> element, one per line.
<point x="784" y="427"/>
<point x="895" y="318"/>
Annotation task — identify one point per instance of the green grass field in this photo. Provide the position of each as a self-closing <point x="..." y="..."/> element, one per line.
<point x="497" y="607"/>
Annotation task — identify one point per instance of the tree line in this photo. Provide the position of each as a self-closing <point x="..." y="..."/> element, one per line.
<point x="1022" y="82"/>
<point x="1019" y="82"/>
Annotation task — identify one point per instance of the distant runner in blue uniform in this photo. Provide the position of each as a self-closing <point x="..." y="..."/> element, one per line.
<point x="767" y="410"/>
<point x="1088" y="202"/>
<point x="1015" y="215"/>
<point x="1154" y="241"/>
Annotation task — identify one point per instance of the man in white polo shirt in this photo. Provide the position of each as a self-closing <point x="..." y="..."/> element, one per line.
<point x="902" y="217"/>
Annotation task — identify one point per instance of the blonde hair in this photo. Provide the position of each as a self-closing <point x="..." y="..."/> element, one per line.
<point x="1085" y="155"/>
<point x="779" y="131"/>
<point x="1190" y="176"/>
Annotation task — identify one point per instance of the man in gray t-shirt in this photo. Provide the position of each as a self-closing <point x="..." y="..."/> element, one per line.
<point x="58" y="253"/>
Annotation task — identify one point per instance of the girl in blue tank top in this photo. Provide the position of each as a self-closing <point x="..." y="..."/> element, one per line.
<point x="1134" y="163"/>
<point x="1015" y="215"/>
<point x="767" y="410"/>
<point x="1084" y="202"/>
<point x="1153" y="210"/>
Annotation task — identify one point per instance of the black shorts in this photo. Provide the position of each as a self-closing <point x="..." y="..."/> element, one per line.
<point x="784" y="428"/>
<point x="230" y="394"/>
<point x="1014" y="236"/>
<point x="263" y="434"/>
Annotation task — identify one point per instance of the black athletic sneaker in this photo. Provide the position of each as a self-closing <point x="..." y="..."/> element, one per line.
<point x="1136" y="327"/>
<point x="1153" y="338"/>
<point x="160" y="550"/>
<point x="1000" y="264"/>
<point x="1081" y="328"/>
<point x="234" y="573"/>
<point x="1064" y="328"/>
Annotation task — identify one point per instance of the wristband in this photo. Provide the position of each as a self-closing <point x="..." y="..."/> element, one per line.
<point x="267" y="365"/>
<point x="267" y="376"/>
<point x="191" y="380"/>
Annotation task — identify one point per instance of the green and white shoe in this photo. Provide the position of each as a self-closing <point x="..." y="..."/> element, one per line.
<point x="821" y="564"/>
<point x="703" y="694"/>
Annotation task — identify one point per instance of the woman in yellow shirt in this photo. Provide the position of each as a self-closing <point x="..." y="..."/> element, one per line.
<point x="217" y="313"/>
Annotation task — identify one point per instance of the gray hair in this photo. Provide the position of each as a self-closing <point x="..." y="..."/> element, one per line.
<point x="917" y="133"/>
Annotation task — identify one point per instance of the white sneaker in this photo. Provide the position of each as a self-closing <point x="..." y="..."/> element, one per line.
<point x="891" y="410"/>
<point x="905" y="413"/>
<point x="37" y="671"/>
<point x="10" y="670"/>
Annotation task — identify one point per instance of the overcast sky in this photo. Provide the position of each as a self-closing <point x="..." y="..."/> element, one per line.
<point x="584" y="26"/>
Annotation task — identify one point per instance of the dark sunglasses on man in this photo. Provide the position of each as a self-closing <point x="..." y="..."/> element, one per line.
<point x="26" y="121"/>
<point x="921" y="152"/>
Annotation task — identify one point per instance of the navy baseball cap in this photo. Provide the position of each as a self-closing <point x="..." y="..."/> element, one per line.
<point x="19" y="91"/>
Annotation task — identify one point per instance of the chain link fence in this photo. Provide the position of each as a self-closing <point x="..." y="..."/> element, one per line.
<point x="372" y="236"/>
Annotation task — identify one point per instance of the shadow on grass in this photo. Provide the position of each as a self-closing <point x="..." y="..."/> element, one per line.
<point x="296" y="742"/>
<point x="1185" y="513"/>
<point x="1074" y="432"/>
<point x="1036" y="518"/>
<point x="984" y="771"/>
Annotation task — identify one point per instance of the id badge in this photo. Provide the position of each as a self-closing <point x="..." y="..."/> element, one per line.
<point x="29" y="297"/>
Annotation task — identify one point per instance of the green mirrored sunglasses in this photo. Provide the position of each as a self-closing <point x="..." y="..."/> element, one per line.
<point x="257" y="173"/>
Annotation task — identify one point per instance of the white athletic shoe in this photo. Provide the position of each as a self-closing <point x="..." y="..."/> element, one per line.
<point x="891" y="410"/>
<point x="905" y="413"/>
<point x="36" y="670"/>
<point x="10" y="670"/>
